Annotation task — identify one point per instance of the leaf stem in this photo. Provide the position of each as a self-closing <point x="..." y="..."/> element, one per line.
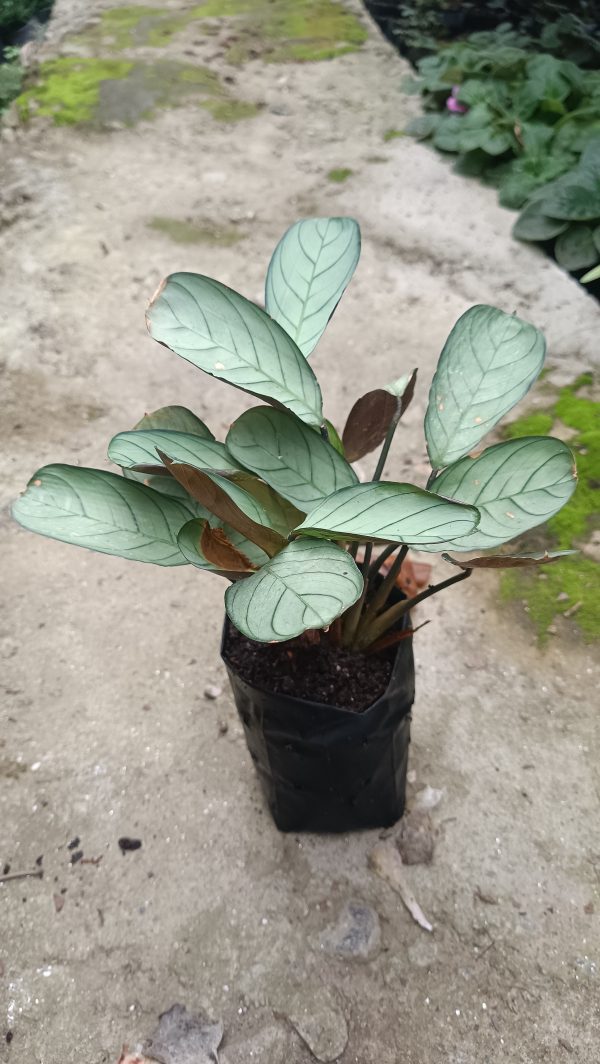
<point x="381" y="558"/>
<point x="387" y="443"/>
<point x="380" y="624"/>
<point x="386" y="587"/>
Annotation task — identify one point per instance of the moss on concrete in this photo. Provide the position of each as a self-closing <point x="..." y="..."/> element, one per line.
<point x="537" y="424"/>
<point x="183" y="232"/>
<point x="392" y="134"/>
<point x="120" y="28"/>
<point x="288" y="30"/>
<point x="101" y="92"/>
<point x="339" y="176"/>
<point x="68" y="90"/>
<point x="577" y="577"/>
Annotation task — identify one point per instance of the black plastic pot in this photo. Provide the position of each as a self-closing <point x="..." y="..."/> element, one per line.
<point x="324" y="768"/>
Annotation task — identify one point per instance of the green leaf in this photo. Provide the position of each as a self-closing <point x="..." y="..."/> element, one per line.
<point x="576" y="198"/>
<point x="189" y="541"/>
<point x="168" y="486"/>
<point x="296" y="461"/>
<point x="140" y="447"/>
<point x="534" y="224"/>
<point x="334" y="437"/>
<point x="177" y="418"/>
<point x="383" y="512"/>
<point x="546" y="78"/>
<point x="310" y="268"/>
<point x="423" y="125"/>
<point x="515" y="485"/>
<point x="489" y="361"/>
<point x="307" y="585"/>
<point x="592" y="275"/>
<point x="103" y="512"/>
<point x="230" y="338"/>
<point x="575" y="248"/>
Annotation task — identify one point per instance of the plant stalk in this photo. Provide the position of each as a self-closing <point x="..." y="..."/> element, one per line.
<point x="385" y="588"/>
<point x="385" y="554"/>
<point x="380" y="624"/>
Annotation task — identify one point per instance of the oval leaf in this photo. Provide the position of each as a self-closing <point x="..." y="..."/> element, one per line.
<point x="191" y="544"/>
<point x="368" y="422"/>
<point x="307" y="585"/>
<point x="382" y="512"/>
<point x="167" y="485"/>
<point x="575" y="249"/>
<point x="296" y="461"/>
<point x="177" y="418"/>
<point x="230" y="503"/>
<point x="229" y="337"/>
<point x="534" y="224"/>
<point x="310" y="268"/>
<point x="140" y="447"/>
<point x="515" y="486"/>
<point x="516" y="561"/>
<point x="489" y="361"/>
<point x="103" y="512"/>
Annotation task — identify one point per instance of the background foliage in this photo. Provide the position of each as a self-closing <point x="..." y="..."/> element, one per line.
<point x="526" y="122"/>
<point x="416" y="27"/>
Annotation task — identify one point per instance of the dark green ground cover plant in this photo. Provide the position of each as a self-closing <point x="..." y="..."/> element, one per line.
<point x="16" y="13"/>
<point x="517" y="119"/>
<point x="11" y="77"/>
<point x="417" y="27"/>
<point x="277" y="508"/>
<point x="568" y="211"/>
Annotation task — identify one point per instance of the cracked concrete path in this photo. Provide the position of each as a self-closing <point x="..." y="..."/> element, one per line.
<point x="105" y="731"/>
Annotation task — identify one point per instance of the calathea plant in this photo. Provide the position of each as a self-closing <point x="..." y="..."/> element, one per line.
<point x="277" y="508"/>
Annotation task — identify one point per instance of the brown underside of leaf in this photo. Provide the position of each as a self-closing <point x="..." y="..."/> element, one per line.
<point x="368" y="422"/>
<point x="507" y="562"/>
<point x="200" y="486"/>
<point x="283" y="512"/>
<point x="219" y="550"/>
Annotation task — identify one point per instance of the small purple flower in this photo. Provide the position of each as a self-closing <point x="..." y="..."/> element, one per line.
<point x="453" y="104"/>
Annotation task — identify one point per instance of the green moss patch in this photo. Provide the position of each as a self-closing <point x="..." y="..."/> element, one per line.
<point x="183" y="232"/>
<point x="120" y="28"/>
<point x="287" y="30"/>
<point x="339" y="176"/>
<point x="393" y="134"/>
<point x="101" y="92"/>
<point x="573" y="585"/>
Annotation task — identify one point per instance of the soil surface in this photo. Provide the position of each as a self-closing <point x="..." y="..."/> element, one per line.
<point x="318" y="672"/>
<point x="105" y="733"/>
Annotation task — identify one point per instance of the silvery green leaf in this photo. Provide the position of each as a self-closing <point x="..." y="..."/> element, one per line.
<point x="177" y="418"/>
<point x="489" y="361"/>
<point x="232" y="339"/>
<point x="296" y="461"/>
<point x="515" y="485"/>
<point x="310" y="268"/>
<point x="104" y="512"/>
<point x="307" y="585"/>
<point x="383" y="512"/>
<point x="140" y="446"/>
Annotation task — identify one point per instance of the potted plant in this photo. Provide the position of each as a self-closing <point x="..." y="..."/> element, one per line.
<point x="317" y="636"/>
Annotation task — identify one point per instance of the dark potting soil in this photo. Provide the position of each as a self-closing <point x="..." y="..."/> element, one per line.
<point x="316" y="672"/>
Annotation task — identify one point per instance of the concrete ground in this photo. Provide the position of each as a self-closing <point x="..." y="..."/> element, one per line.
<point x="105" y="731"/>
